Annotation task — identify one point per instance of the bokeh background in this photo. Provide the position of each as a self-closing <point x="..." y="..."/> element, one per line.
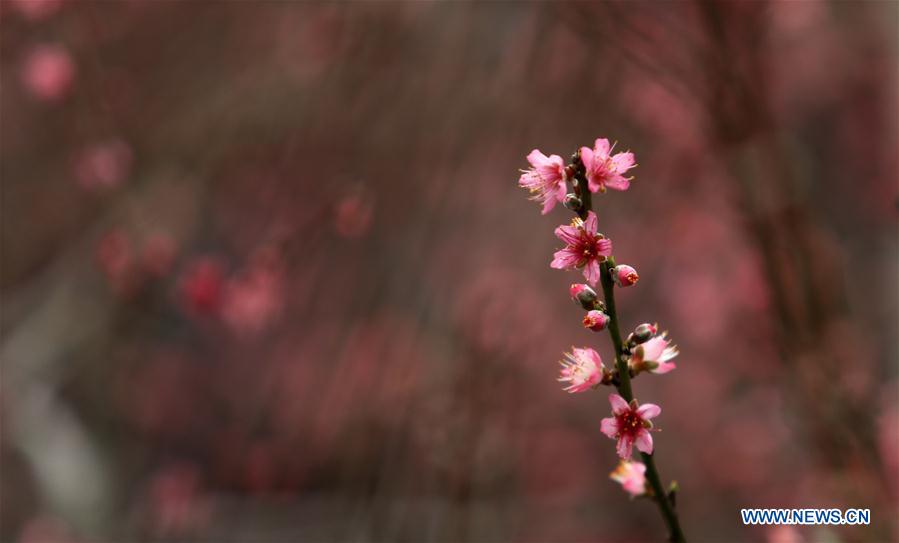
<point x="266" y="274"/>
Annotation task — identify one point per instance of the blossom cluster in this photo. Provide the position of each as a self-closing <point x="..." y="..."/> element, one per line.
<point x="645" y="350"/>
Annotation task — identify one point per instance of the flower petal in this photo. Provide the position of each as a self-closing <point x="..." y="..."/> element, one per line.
<point x="561" y="192"/>
<point x="605" y="247"/>
<point x="548" y="205"/>
<point x="644" y="441"/>
<point x="564" y="259"/>
<point x="602" y="148"/>
<point x="653" y="349"/>
<point x="625" y="446"/>
<point x="537" y="159"/>
<point x="587" y="158"/>
<point x="617" y="182"/>
<point x="591" y="223"/>
<point x="649" y="411"/>
<point x="609" y="426"/>
<point x="568" y="234"/>
<point x="591" y="272"/>
<point x="619" y="406"/>
<point x="623" y="162"/>
<point x="593" y="356"/>
<point x="664" y="367"/>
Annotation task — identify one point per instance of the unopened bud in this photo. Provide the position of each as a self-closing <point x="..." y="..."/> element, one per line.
<point x="596" y="320"/>
<point x="584" y="295"/>
<point x="624" y="275"/>
<point x="572" y="202"/>
<point x="644" y="333"/>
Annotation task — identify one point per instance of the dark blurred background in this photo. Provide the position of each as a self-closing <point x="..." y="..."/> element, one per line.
<point x="266" y="275"/>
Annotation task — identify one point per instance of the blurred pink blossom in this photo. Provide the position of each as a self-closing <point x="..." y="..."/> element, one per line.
<point x="115" y="257"/>
<point x="585" y="247"/>
<point x="784" y="534"/>
<point x="546" y="478"/>
<point x="888" y="439"/>
<point x="630" y="424"/>
<point x="353" y="215"/>
<point x="114" y="253"/>
<point x="35" y="10"/>
<point x="178" y="505"/>
<point x="631" y="476"/>
<point x="581" y="369"/>
<point x="252" y="299"/>
<point x="494" y="321"/>
<point x="48" y="72"/>
<point x="605" y="169"/>
<point x="45" y="529"/>
<point x="103" y="165"/>
<point x="201" y="286"/>
<point x="545" y="179"/>
<point x="128" y="265"/>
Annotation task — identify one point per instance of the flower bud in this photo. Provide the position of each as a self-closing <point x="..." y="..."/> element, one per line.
<point x="585" y="295"/>
<point x="624" y="275"/>
<point x="644" y="333"/>
<point x="572" y="202"/>
<point x="596" y="320"/>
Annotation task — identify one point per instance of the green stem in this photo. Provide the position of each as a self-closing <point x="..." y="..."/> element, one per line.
<point x="662" y="500"/>
<point x="608" y="291"/>
<point x="660" y="496"/>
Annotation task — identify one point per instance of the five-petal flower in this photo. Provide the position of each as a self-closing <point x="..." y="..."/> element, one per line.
<point x="630" y="425"/>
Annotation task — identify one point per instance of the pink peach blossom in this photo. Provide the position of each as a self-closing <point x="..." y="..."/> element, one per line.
<point x="624" y="275"/>
<point x="585" y="247"/>
<point x="596" y="320"/>
<point x="654" y="355"/>
<point x="545" y="179"/>
<point x="48" y="72"/>
<point x="630" y="424"/>
<point x="582" y="369"/>
<point x="632" y="477"/>
<point x="583" y="295"/>
<point x="605" y="169"/>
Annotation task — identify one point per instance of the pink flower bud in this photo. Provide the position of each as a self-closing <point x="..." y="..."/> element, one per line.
<point x="624" y="275"/>
<point x="577" y="288"/>
<point x="643" y="333"/>
<point x="596" y="320"/>
<point x="584" y="295"/>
